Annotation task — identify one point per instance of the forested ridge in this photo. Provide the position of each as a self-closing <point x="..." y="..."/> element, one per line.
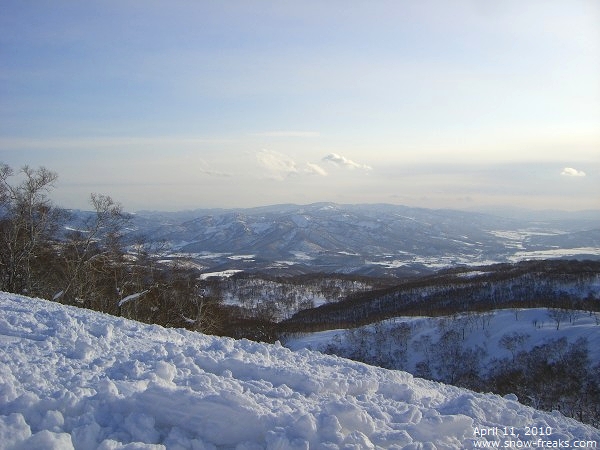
<point x="561" y="284"/>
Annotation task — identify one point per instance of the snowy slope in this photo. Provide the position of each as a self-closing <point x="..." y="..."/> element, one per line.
<point x="72" y="378"/>
<point x="481" y="331"/>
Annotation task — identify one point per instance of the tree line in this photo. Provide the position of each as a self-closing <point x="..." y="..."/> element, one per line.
<point x="557" y="284"/>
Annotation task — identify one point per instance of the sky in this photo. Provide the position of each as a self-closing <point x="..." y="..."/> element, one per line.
<point x="194" y="104"/>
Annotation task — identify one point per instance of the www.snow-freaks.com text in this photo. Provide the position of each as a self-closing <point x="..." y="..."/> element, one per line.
<point x="528" y="437"/>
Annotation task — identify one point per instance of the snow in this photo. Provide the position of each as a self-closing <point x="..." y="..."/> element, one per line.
<point x="222" y="274"/>
<point x="132" y="297"/>
<point x="554" y="253"/>
<point x="471" y="274"/>
<point x="76" y="379"/>
<point x="302" y="256"/>
<point x="241" y="257"/>
<point x="478" y="331"/>
<point x="434" y="262"/>
<point x="522" y="234"/>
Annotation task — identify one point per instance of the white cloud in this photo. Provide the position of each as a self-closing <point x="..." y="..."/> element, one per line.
<point x="207" y="170"/>
<point x="315" y="169"/>
<point x="280" y="166"/>
<point x="277" y="164"/>
<point x="570" y="172"/>
<point x="342" y="161"/>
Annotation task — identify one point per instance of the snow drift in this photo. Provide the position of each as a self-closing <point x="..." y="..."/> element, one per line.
<point x="76" y="379"/>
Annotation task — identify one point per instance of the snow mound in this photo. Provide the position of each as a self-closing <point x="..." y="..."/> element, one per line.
<point x="77" y="379"/>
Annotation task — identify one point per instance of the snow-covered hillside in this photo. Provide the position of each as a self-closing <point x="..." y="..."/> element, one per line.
<point x="481" y="331"/>
<point x="72" y="378"/>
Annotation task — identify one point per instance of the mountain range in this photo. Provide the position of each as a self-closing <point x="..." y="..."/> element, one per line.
<point x="373" y="239"/>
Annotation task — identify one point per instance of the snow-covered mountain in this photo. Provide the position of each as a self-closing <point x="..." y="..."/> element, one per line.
<point x="364" y="239"/>
<point x="73" y="378"/>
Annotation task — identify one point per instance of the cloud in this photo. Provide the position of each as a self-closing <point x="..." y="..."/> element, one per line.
<point x="207" y="170"/>
<point x="315" y="169"/>
<point x="342" y="161"/>
<point x="281" y="166"/>
<point x="277" y="164"/>
<point x="570" y="172"/>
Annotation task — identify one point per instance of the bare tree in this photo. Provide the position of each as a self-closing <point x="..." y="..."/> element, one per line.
<point x="513" y="342"/>
<point x="28" y="221"/>
<point x="558" y="315"/>
<point x="93" y="257"/>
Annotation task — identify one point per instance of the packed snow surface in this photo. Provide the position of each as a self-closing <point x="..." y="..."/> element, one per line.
<point x="76" y="379"/>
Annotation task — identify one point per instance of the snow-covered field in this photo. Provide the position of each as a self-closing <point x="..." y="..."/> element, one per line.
<point x="72" y="378"/>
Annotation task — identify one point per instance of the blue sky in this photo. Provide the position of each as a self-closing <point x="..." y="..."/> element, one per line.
<point x="190" y="104"/>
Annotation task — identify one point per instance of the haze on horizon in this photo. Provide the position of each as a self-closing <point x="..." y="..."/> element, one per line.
<point x="183" y="105"/>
